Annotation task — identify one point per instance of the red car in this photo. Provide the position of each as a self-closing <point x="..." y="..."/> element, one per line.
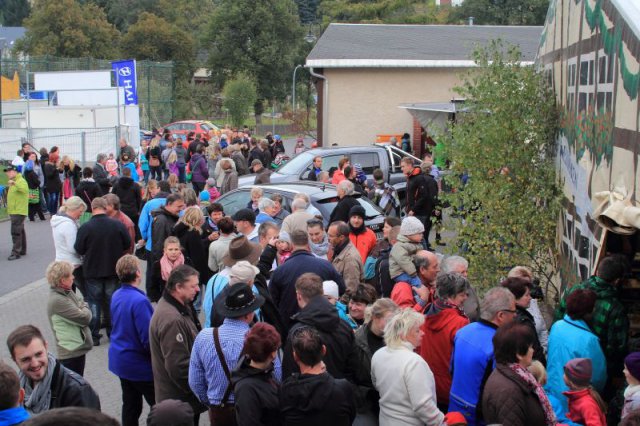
<point x="182" y="128"/>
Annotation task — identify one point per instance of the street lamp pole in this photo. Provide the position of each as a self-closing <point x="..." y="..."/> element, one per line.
<point x="293" y="88"/>
<point x="3" y="41"/>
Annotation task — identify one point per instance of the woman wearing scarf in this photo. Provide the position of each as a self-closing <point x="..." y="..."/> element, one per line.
<point x="318" y="239"/>
<point x="172" y="257"/>
<point x="443" y="318"/>
<point x="512" y="396"/>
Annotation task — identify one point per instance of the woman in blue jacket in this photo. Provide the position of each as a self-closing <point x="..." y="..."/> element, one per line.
<point x="572" y="338"/>
<point x="129" y="351"/>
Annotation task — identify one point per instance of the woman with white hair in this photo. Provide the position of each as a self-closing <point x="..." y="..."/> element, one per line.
<point x="341" y="211"/>
<point x="403" y="379"/>
<point x="69" y="317"/>
<point x="64" y="225"/>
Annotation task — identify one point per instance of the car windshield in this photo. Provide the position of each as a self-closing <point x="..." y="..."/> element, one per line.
<point x="327" y="205"/>
<point x="297" y="163"/>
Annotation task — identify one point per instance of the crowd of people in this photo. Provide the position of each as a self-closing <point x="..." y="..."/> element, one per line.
<point x="275" y="317"/>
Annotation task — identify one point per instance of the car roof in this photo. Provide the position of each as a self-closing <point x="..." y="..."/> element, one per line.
<point x="339" y="149"/>
<point x="309" y="188"/>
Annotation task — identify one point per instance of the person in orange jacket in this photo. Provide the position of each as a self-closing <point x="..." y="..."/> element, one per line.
<point x="363" y="238"/>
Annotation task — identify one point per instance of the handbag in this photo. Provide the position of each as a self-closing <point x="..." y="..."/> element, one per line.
<point x="154" y="162"/>
<point x="34" y="196"/>
<point x="223" y="414"/>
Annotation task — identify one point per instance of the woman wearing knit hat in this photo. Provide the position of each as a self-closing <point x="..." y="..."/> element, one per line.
<point x="632" y="392"/>
<point x="585" y="404"/>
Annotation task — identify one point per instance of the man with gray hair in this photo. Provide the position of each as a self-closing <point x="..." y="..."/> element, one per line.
<point x="341" y="210"/>
<point x="100" y="174"/>
<point x="267" y="210"/>
<point x="460" y="265"/>
<point x="297" y="220"/>
<point x="472" y="358"/>
<point x="310" y="208"/>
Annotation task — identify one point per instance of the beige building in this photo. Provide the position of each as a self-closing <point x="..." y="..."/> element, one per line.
<point x="366" y="73"/>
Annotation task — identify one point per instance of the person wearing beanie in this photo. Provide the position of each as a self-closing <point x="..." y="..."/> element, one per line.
<point x="363" y="238"/>
<point x="585" y="404"/>
<point x="330" y="291"/>
<point x="403" y="253"/>
<point x="632" y="392"/>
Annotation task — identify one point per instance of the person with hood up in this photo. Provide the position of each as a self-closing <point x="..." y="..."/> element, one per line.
<point x="314" y="397"/>
<point x="199" y="169"/>
<point x="363" y="238"/>
<point x="443" y="319"/>
<point x="317" y="312"/>
<point x="130" y="195"/>
<point x="255" y="382"/>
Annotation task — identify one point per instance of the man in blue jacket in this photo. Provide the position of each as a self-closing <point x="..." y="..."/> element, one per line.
<point x="129" y="352"/>
<point x="472" y="359"/>
<point x="283" y="280"/>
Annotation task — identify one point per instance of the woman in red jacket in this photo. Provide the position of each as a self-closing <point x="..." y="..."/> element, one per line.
<point x="443" y="319"/>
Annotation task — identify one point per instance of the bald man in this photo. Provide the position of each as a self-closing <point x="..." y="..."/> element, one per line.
<point x="418" y="298"/>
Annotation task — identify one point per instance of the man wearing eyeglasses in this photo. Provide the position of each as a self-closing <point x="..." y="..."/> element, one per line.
<point x="472" y="359"/>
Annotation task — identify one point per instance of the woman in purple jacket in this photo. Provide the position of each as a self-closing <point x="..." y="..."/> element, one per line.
<point x="199" y="170"/>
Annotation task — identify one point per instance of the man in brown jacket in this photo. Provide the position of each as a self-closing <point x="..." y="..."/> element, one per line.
<point x="263" y="175"/>
<point x="346" y="258"/>
<point x="174" y="327"/>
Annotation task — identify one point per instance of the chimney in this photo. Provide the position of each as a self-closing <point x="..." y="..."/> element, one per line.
<point x="471" y="21"/>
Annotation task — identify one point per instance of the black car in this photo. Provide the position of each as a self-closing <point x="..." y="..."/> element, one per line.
<point x="323" y="197"/>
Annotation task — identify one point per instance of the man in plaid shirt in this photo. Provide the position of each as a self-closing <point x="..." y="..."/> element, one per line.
<point x="609" y="321"/>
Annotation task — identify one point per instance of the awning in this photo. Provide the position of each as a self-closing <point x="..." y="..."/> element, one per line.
<point x="430" y="114"/>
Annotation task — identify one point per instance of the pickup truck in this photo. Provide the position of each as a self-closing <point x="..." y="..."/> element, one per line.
<point x="370" y="157"/>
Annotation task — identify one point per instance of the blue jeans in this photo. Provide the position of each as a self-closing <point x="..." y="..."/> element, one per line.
<point x="99" y="292"/>
<point x="145" y="175"/>
<point x="52" y="202"/>
<point x="182" y="175"/>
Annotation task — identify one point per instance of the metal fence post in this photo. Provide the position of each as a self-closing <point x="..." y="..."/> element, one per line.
<point x="83" y="148"/>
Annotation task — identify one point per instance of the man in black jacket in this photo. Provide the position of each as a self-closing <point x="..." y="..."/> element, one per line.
<point x="100" y="174"/>
<point x="422" y="193"/>
<point x="102" y="241"/>
<point x="317" y="312"/>
<point x="313" y="397"/>
<point x="341" y="210"/>
<point x="283" y="280"/>
<point x="47" y="383"/>
<point x="164" y="219"/>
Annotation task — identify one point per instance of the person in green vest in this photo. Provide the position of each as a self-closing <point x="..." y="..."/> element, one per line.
<point x="17" y="208"/>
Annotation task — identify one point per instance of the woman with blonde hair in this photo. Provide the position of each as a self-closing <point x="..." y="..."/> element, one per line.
<point x="368" y="339"/>
<point x="69" y="317"/>
<point x="70" y="176"/>
<point x="403" y="379"/>
<point x="194" y="245"/>
<point x="154" y="156"/>
<point x="173" y="182"/>
<point x="64" y="226"/>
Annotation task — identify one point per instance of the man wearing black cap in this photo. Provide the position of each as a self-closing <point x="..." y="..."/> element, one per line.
<point x="245" y="221"/>
<point x="17" y="208"/>
<point x="216" y="351"/>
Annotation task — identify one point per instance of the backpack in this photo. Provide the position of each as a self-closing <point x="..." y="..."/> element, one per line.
<point x="382" y="280"/>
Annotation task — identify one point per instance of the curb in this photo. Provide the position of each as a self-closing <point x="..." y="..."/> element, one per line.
<point x="28" y="288"/>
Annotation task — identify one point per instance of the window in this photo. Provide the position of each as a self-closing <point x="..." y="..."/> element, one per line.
<point x="235" y="201"/>
<point x="369" y="161"/>
<point x="604" y="97"/>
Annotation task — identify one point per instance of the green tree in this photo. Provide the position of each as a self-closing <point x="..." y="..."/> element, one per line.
<point x="502" y="12"/>
<point x="69" y="29"/>
<point x="153" y="38"/>
<point x="239" y="94"/>
<point x="365" y="10"/>
<point x="505" y="144"/>
<point x="13" y="12"/>
<point x="263" y="43"/>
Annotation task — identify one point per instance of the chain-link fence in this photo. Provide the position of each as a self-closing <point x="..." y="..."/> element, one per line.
<point x="156" y="81"/>
<point x="82" y="145"/>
